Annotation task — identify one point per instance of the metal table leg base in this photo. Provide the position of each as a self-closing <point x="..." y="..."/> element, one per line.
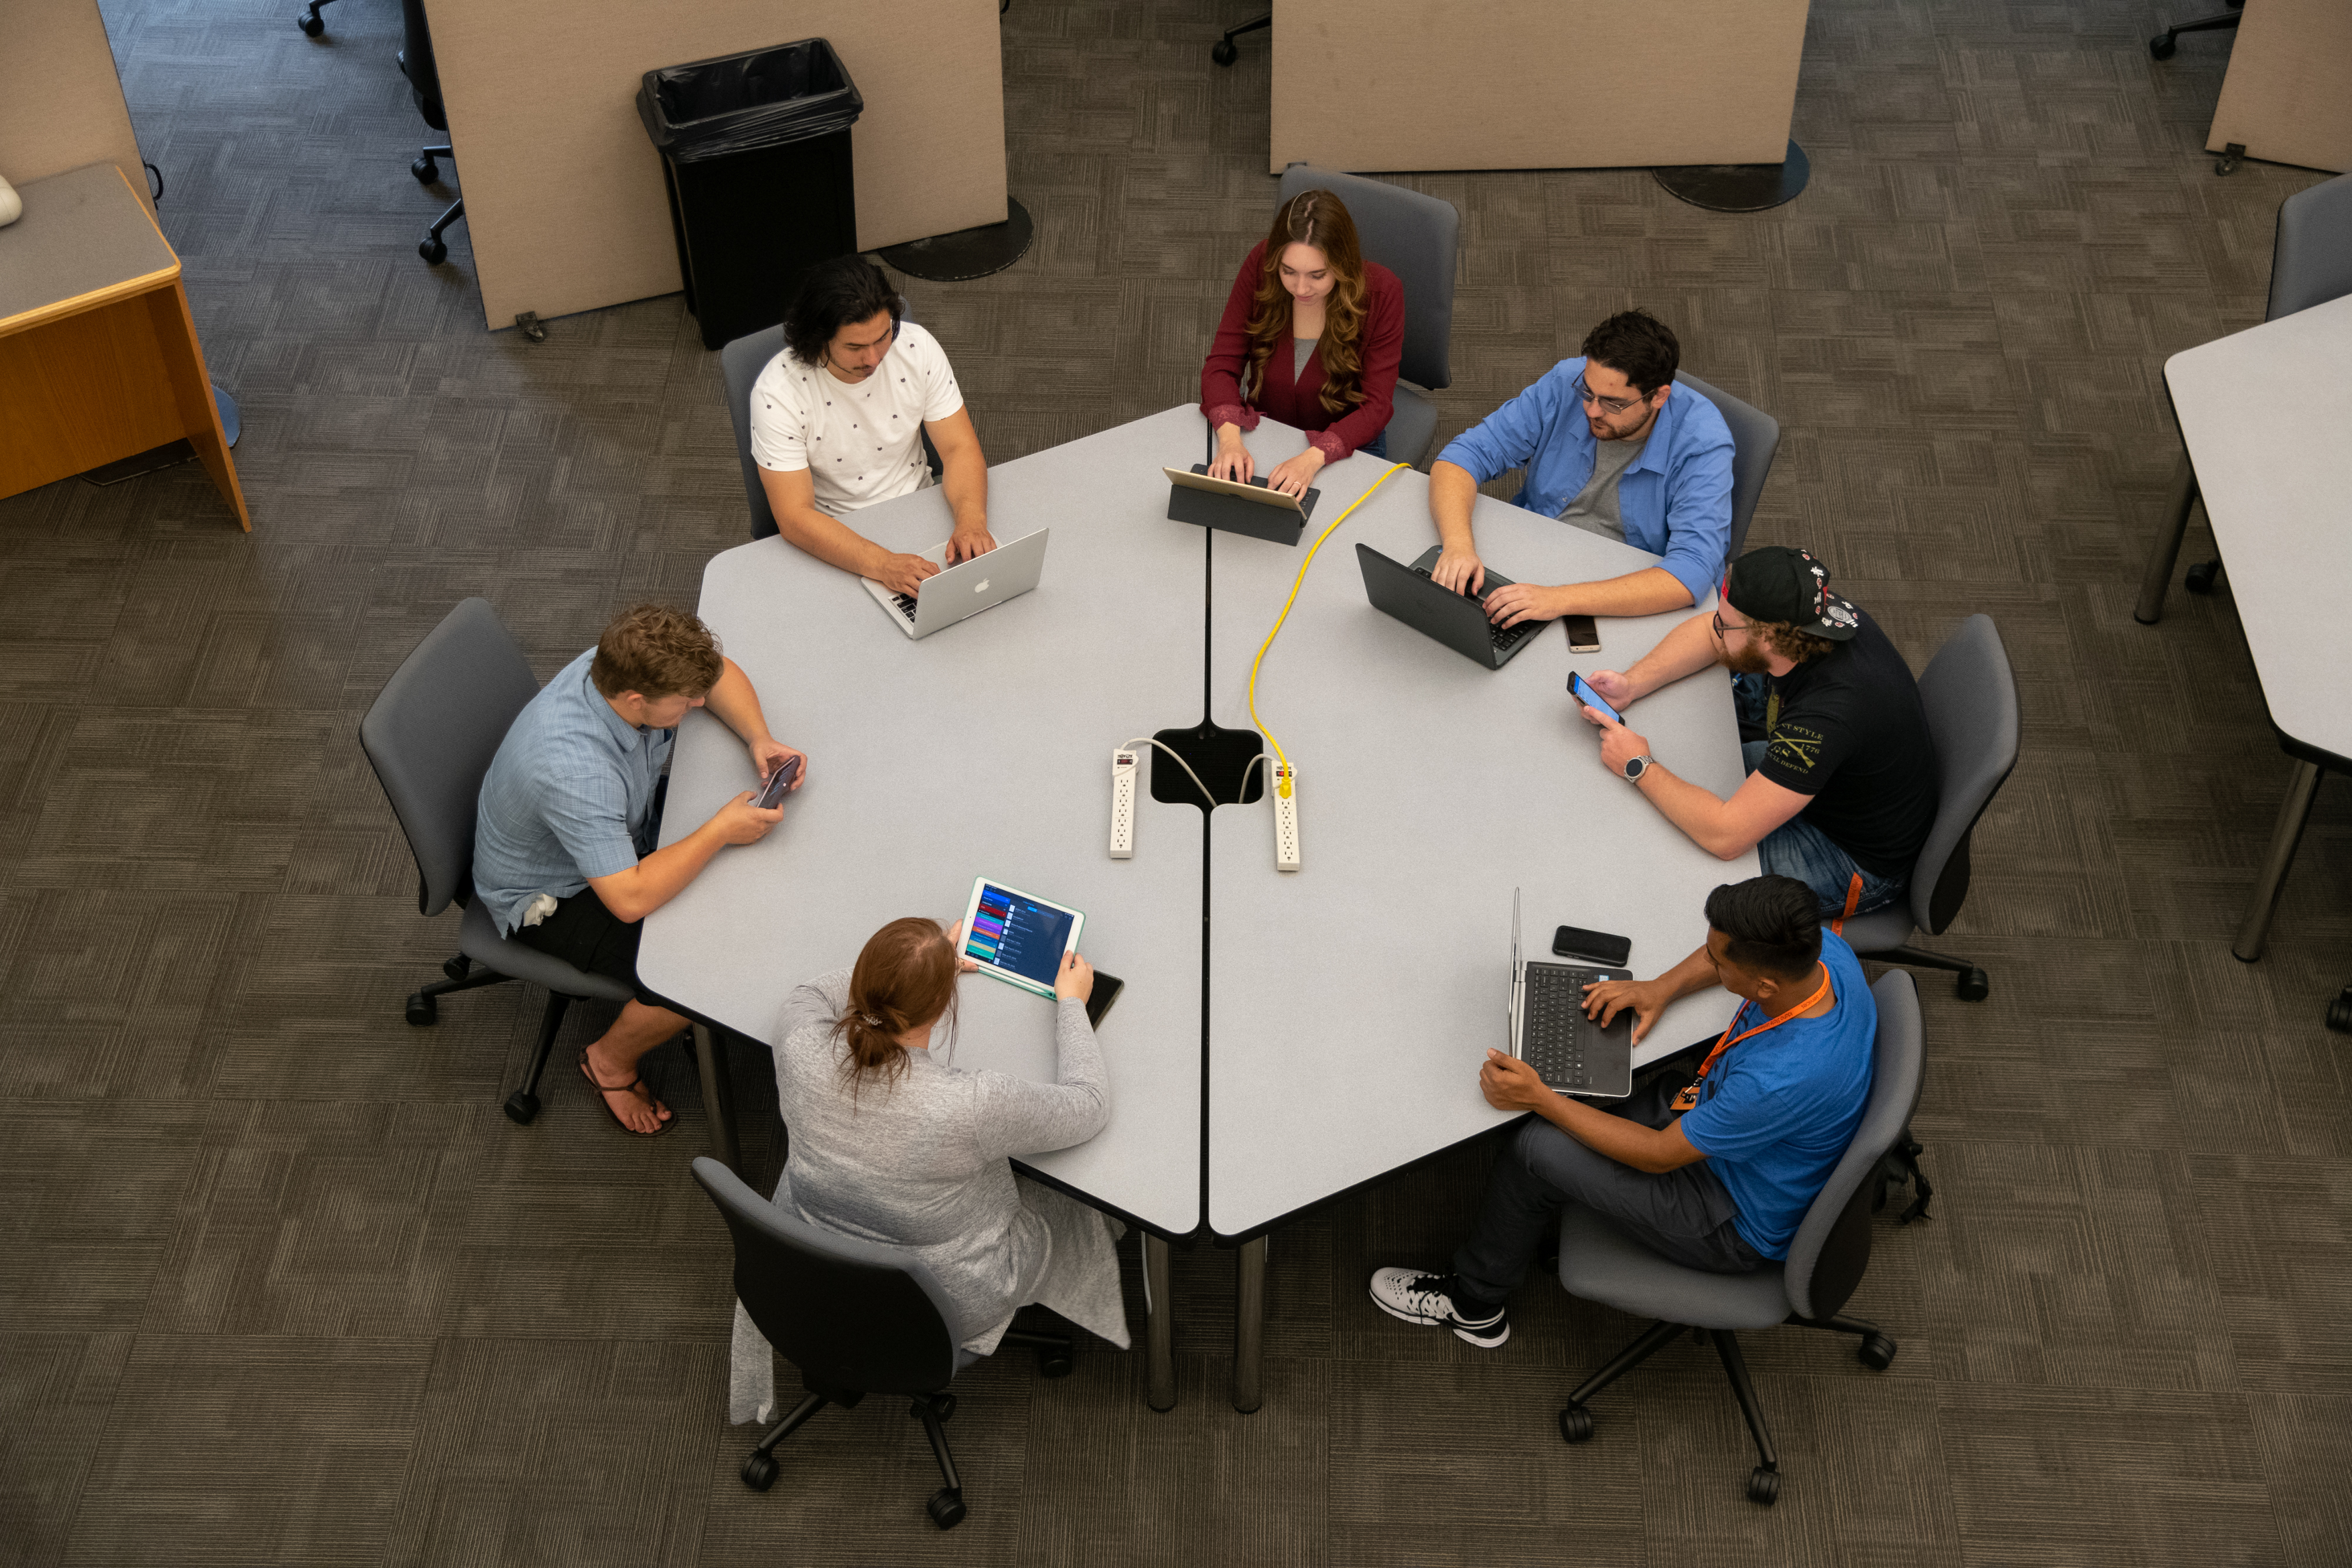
<point x="718" y="1099"/>
<point x="1249" y="1323"/>
<point x="1159" y="1329"/>
<point x="2255" y="932"/>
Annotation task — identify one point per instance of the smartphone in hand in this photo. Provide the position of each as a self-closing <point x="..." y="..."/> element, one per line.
<point x="771" y="793"/>
<point x="1582" y="691"/>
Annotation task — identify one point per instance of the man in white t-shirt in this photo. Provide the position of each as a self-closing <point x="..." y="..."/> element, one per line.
<point x="838" y="421"/>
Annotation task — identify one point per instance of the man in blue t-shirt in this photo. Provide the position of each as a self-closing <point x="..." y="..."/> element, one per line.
<point x="1715" y="1174"/>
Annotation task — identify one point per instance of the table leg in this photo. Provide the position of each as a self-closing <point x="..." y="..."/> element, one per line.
<point x="2254" y="933"/>
<point x="2160" y="559"/>
<point x="1160" y="1331"/>
<point x="717" y="1097"/>
<point x="1249" y="1323"/>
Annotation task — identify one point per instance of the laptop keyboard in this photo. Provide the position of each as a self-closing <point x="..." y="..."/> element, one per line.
<point x="1553" y="1043"/>
<point x="1501" y="637"/>
<point x="905" y="604"/>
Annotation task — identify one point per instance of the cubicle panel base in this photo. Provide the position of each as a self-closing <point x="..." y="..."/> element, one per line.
<point x="1738" y="187"/>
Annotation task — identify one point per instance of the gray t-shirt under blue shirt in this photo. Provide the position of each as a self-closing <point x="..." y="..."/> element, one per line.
<point x="1594" y="509"/>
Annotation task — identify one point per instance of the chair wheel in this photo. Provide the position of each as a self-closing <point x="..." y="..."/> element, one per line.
<point x="458" y="967"/>
<point x="2201" y="577"/>
<point x="759" y="1472"/>
<point x="1975" y="985"/>
<point x="1575" y="1425"/>
<point x="944" y="1406"/>
<point x="1054" y="1363"/>
<point x="432" y="250"/>
<point x="1764" y="1486"/>
<point x="522" y="1105"/>
<point x="422" y="1010"/>
<point x="311" y="25"/>
<point x="1877" y="1352"/>
<point x="1224" y="51"/>
<point x="2160" y="48"/>
<point x="425" y="169"/>
<point x="946" y="1507"/>
<point x="2339" y="1012"/>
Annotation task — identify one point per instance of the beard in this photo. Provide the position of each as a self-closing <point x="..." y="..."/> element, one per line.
<point x="1749" y="658"/>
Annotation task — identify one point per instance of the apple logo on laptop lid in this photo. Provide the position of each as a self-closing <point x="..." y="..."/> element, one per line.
<point x="980" y="586"/>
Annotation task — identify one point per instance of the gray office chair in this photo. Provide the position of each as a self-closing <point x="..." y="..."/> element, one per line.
<point x="1416" y="237"/>
<point x="740" y="363"/>
<point x="2311" y="264"/>
<point x="1970" y="696"/>
<point x="430" y="737"/>
<point x="1600" y="1262"/>
<point x="1755" y="437"/>
<point x="858" y="1318"/>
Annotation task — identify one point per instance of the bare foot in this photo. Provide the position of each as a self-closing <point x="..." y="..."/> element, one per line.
<point x="634" y="1101"/>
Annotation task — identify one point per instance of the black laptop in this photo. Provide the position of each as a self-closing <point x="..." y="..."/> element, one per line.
<point x="1570" y="1052"/>
<point x="1456" y="619"/>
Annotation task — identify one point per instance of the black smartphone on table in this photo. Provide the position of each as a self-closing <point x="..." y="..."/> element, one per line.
<point x="1583" y="634"/>
<point x="771" y="793"/>
<point x="1608" y="951"/>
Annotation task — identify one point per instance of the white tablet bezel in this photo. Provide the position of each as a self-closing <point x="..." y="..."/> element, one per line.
<point x="1012" y="978"/>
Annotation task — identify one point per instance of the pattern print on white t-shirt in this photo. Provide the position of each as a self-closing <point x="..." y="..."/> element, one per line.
<point x="861" y="442"/>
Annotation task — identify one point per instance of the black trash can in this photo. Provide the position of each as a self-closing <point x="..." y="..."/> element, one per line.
<point x="755" y="150"/>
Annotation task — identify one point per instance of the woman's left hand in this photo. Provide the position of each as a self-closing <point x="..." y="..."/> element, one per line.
<point x="955" y="942"/>
<point x="1293" y="477"/>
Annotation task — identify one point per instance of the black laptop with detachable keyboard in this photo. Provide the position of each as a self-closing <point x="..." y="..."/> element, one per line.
<point x="1456" y="619"/>
<point x="1570" y="1052"/>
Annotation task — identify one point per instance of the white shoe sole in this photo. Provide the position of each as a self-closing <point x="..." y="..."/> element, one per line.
<point x="1467" y="1336"/>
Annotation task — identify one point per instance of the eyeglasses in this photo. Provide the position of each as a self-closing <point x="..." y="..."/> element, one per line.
<point x="1722" y="632"/>
<point x="1611" y="404"/>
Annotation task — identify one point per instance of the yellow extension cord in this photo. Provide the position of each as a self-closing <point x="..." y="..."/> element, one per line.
<point x="1283" y="786"/>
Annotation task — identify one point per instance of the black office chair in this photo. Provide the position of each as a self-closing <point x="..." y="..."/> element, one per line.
<point x="430" y="737"/>
<point x="1600" y="1262"/>
<point x="739" y="364"/>
<point x="858" y="1318"/>
<point x="312" y="24"/>
<point x="425" y="86"/>
<point x="2162" y="44"/>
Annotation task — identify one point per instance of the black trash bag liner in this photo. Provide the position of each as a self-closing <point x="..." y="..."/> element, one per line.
<point x="769" y="98"/>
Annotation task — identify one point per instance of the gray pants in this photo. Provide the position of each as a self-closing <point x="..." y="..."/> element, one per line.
<point x="1681" y="1215"/>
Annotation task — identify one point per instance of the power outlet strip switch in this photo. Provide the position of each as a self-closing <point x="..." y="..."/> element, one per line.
<point x="1285" y="817"/>
<point x="1122" y="804"/>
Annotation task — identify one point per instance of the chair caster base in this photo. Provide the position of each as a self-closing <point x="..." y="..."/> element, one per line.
<point x="1052" y="1364"/>
<point x="2161" y="46"/>
<point x="458" y="967"/>
<point x="522" y="1107"/>
<point x="1877" y="1352"/>
<point x="425" y="169"/>
<point x="759" y="1472"/>
<point x="2202" y="578"/>
<point x="311" y="25"/>
<point x="1575" y="1425"/>
<point x="1224" y="51"/>
<point x="944" y="1406"/>
<point x="1974" y="985"/>
<point x="422" y="1010"/>
<point x="1764" y="1486"/>
<point x="432" y="250"/>
<point x="2339" y="1012"/>
<point x="946" y="1507"/>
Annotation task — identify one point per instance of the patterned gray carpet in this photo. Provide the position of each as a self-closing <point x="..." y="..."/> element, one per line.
<point x="279" y="1283"/>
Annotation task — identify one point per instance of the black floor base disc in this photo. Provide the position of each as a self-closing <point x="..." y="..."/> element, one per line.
<point x="967" y="253"/>
<point x="1738" y="187"/>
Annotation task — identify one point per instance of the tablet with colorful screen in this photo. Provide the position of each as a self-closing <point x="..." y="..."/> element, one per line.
<point x="1017" y="936"/>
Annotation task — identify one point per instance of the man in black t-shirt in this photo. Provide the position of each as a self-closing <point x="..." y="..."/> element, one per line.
<point x="1842" y="782"/>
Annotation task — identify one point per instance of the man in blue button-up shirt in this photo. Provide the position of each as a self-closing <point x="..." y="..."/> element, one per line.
<point x="1611" y="444"/>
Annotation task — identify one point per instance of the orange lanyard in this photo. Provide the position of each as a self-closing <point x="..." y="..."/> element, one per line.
<point x="1688" y="1099"/>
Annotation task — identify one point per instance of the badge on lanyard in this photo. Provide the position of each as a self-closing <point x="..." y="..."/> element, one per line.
<point x="1688" y="1099"/>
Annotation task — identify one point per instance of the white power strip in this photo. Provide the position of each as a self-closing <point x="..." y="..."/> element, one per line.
<point x="1122" y="804"/>
<point x="1285" y="817"/>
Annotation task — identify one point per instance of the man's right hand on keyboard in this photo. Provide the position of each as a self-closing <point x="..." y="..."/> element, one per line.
<point x="1604" y="999"/>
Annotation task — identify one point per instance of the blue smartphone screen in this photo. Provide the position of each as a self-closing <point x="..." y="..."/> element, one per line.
<point x="1590" y="698"/>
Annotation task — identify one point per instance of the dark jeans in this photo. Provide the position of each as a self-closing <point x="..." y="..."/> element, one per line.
<point x="1684" y="1215"/>
<point x="1377" y="446"/>
<point x="1797" y="848"/>
<point x="585" y="935"/>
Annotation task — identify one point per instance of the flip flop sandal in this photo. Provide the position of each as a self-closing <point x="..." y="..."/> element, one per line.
<point x="604" y="1089"/>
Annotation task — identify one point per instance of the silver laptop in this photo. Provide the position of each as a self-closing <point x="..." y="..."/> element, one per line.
<point x="961" y="592"/>
<point x="1571" y="1053"/>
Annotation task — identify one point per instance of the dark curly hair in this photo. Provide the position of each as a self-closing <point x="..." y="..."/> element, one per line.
<point x="1637" y="346"/>
<point x="832" y="294"/>
<point x="1774" y="924"/>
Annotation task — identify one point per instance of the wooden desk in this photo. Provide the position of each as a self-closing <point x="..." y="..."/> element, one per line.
<point x="99" y="357"/>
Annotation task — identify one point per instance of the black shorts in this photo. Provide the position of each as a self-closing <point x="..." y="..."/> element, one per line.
<point x="589" y="937"/>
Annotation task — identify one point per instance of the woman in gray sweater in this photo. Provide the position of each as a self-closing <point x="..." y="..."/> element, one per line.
<point x="891" y="1144"/>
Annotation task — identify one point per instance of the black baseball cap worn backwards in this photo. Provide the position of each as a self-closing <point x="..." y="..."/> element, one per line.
<point x="1776" y="582"/>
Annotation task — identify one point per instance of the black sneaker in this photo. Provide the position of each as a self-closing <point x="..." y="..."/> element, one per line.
<point x="1419" y="1298"/>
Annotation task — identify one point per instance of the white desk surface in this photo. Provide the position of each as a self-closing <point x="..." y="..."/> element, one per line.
<point x="2264" y="413"/>
<point x="983" y="749"/>
<point x="1352" y="1002"/>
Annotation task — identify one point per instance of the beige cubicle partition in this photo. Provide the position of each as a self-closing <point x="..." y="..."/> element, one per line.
<point x="2288" y="96"/>
<point x="1395" y="85"/>
<point x="564" y="202"/>
<point x="60" y="103"/>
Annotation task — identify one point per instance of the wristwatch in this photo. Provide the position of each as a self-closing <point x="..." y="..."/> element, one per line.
<point x="1637" y="766"/>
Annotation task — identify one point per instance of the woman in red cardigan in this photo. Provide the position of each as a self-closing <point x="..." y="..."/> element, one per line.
<point x="1311" y="335"/>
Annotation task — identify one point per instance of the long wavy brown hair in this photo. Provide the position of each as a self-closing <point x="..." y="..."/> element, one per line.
<point x="904" y="975"/>
<point x="1320" y="219"/>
